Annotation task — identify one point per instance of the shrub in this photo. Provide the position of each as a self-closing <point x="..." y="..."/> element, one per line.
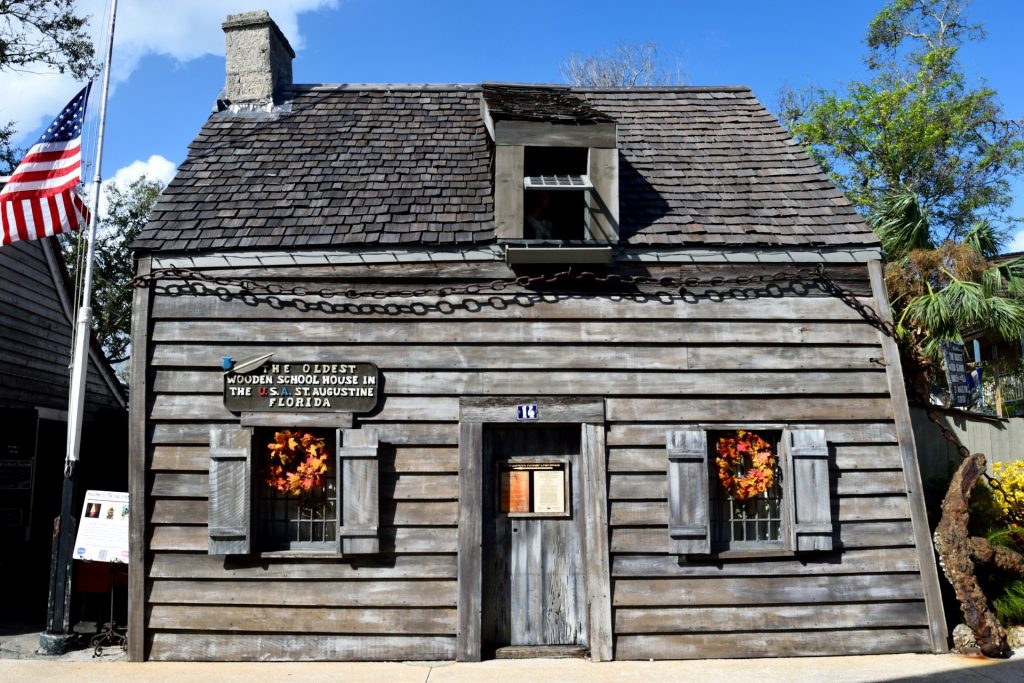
<point x="997" y="512"/>
<point x="1009" y="494"/>
<point x="1010" y="605"/>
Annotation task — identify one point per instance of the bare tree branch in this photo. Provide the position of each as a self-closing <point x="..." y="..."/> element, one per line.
<point x="627" y="65"/>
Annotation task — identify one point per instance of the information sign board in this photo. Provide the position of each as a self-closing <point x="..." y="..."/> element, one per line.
<point x="549" y="491"/>
<point x="302" y="387"/>
<point x="954" y="357"/>
<point x="15" y="475"/>
<point x="103" y="527"/>
<point x="532" y="488"/>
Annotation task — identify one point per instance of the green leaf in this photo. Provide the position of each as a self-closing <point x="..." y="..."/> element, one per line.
<point x="901" y="224"/>
<point x="917" y="124"/>
<point x="128" y="210"/>
<point x="983" y="238"/>
<point x="1007" y="317"/>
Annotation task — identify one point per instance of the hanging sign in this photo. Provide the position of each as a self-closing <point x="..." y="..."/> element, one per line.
<point x="103" y="527"/>
<point x="954" y="357"/>
<point x="268" y="385"/>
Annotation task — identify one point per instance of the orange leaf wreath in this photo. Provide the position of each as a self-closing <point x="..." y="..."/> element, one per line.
<point x="297" y="462"/>
<point x="748" y="450"/>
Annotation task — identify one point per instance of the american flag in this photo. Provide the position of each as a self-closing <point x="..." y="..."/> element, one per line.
<point x="39" y="198"/>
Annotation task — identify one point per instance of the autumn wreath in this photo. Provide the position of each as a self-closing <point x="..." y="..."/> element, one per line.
<point x="297" y="462"/>
<point x="749" y="452"/>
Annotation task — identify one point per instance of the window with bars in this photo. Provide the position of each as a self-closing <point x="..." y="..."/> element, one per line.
<point x="292" y="517"/>
<point x="779" y="503"/>
<point x="327" y="500"/>
<point x="750" y="522"/>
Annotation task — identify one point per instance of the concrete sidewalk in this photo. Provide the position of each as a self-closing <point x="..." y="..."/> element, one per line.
<point x="112" y="667"/>
<point x="895" y="668"/>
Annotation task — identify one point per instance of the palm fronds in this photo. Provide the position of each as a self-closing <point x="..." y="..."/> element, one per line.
<point x="982" y="237"/>
<point x="959" y="305"/>
<point x="901" y="224"/>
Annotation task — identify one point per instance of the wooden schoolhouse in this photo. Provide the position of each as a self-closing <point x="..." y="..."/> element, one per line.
<point x="452" y="372"/>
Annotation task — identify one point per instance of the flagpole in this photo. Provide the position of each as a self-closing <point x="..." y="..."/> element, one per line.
<point x="54" y="639"/>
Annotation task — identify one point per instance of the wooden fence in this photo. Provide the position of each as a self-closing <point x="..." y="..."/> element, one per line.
<point x="1000" y="439"/>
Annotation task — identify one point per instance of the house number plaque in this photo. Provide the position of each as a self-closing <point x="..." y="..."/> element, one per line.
<point x="527" y="411"/>
<point x="300" y="386"/>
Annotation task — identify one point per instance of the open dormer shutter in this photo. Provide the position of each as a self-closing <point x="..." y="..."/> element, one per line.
<point x="358" y="506"/>
<point x="689" y="507"/>
<point x="812" y="509"/>
<point x="230" y="502"/>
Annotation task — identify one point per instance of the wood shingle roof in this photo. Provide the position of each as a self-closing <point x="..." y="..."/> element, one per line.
<point x="355" y="165"/>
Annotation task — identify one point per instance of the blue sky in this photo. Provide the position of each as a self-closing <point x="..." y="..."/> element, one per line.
<point x="169" y="64"/>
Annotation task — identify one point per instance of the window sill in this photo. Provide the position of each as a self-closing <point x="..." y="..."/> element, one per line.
<point x="298" y="554"/>
<point x="743" y="554"/>
<point x="555" y="254"/>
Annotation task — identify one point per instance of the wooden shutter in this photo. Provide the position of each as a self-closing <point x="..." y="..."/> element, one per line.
<point x="688" y="504"/>
<point x="358" y="504"/>
<point x="230" y="491"/>
<point x="811" y="506"/>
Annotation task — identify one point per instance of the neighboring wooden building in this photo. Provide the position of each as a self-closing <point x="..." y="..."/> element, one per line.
<point x="516" y="465"/>
<point x="37" y="310"/>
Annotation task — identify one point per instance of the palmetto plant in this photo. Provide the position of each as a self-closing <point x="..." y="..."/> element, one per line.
<point x="901" y="224"/>
<point x="939" y="292"/>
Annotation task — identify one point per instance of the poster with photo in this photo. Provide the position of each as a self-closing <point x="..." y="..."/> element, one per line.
<point x="103" y="527"/>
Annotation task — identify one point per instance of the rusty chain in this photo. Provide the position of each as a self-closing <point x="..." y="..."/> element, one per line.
<point x="681" y="285"/>
<point x="888" y="329"/>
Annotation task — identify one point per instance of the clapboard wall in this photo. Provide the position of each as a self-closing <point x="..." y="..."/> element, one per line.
<point x="35" y="331"/>
<point x="35" y="338"/>
<point x="756" y="355"/>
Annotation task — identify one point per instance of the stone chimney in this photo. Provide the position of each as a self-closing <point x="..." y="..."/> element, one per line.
<point x="259" y="58"/>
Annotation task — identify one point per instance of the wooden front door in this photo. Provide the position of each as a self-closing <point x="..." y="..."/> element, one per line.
<point x="533" y="591"/>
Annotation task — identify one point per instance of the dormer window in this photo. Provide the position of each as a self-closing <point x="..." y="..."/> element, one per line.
<point x="555" y="188"/>
<point x="555" y="166"/>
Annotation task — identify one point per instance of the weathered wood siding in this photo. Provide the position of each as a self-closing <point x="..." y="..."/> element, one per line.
<point x="35" y="333"/>
<point x="1000" y="439"/>
<point x="783" y="357"/>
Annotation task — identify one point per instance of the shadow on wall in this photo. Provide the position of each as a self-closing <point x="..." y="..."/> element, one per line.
<point x="495" y="301"/>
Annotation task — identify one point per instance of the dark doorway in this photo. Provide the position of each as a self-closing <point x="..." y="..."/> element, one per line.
<point x="31" y="500"/>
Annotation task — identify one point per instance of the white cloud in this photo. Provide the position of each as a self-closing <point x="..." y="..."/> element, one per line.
<point x="38" y="99"/>
<point x="1016" y="243"/>
<point x="187" y="29"/>
<point x="154" y="168"/>
<point x="179" y="29"/>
